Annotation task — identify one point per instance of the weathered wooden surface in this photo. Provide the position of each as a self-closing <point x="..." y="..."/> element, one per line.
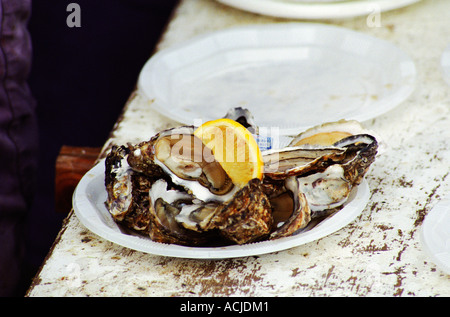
<point x="378" y="254"/>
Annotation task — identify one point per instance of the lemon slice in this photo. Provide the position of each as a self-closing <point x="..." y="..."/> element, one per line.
<point x="234" y="147"/>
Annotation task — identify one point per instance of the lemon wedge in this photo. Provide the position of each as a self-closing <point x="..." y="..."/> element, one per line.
<point x="234" y="147"/>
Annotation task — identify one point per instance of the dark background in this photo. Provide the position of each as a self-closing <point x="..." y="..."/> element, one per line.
<point x="81" y="78"/>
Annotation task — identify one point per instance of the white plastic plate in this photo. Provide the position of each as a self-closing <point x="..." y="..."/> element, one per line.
<point x="317" y="9"/>
<point x="291" y="76"/>
<point x="435" y="233"/>
<point x="89" y="206"/>
<point x="445" y="64"/>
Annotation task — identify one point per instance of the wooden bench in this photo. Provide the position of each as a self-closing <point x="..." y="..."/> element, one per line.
<point x="71" y="164"/>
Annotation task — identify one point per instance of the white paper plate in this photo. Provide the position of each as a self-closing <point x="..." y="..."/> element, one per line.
<point x="435" y="233"/>
<point x="317" y="9"/>
<point x="445" y="64"/>
<point x="89" y="206"/>
<point x="291" y="76"/>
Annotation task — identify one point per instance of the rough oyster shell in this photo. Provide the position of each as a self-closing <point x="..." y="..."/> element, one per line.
<point x="248" y="217"/>
<point x="244" y="117"/>
<point x="290" y="210"/>
<point x="118" y="182"/>
<point x="127" y="191"/>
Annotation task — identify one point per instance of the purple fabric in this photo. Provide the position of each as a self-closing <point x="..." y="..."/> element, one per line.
<point x="18" y="138"/>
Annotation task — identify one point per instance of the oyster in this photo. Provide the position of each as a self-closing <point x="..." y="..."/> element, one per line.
<point x="329" y="133"/>
<point x="118" y="182"/>
<point x="127" y="191"/>
<point x="165" y="207"/>
<point x="244" y="117"/>
<point x="290" y="210"/>
<point x="179" y="217"/>
<point x="179" y="154"/>
<point x="248" y="217"/>
<point x="326" y="173"/>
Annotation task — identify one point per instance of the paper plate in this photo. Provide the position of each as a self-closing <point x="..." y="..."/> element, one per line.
<point x="317" y="9"/>
<point x="435" y="233"/>
<point x="89" y="207"/>
<point x="291" y="76"/>
<point x="445" y="64"/>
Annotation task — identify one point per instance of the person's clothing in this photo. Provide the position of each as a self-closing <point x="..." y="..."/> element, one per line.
<point x="18" y="139"/>
<point x="80" y="78"/>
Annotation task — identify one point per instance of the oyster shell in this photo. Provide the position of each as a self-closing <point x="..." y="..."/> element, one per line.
<point x="244" y="117"/>
<point x="127" y="191"/>
<point x="326" y="175"/>
<point x="179" y="154"/>
<point x="248" y="217"/>
<point x="118" y="182"/>
<point x="290" y="210"/>
<point x="165" y="207"/>
<point x="328" y="133"/>
<point x="179" y="218"/>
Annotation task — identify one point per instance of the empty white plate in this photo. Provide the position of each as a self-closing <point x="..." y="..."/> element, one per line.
<point x="435" y="233"/>
<point x="317" y="9"/>
<point x="289" y="75"/>
<point x="445" y="64"/>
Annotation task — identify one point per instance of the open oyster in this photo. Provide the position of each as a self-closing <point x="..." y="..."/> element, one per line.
<point x="127" y="199"/>
<point x="179" y="154"/>
<point x="328" y="161"/>
<point x="290" y="210"/>
<point x="329" y="133"/>
<point x="173" y="190"/>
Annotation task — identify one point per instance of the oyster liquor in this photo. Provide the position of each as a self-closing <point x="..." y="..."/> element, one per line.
<point x="237" y="307"/>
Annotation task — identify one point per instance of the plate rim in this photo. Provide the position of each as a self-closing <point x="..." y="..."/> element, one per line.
<point x="145" y="80"/>
<point x="424" y="233"/>
<point x="315" y="11"/>
<point x="445" y="64"/>
<point x="84" y="210"/>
